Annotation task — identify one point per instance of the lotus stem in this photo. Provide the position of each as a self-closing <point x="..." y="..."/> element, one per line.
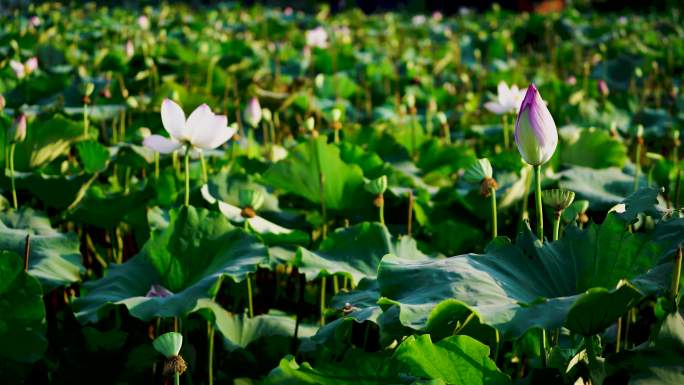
<point x="27" y="252"/>
<point x="323" y="283"/>
<point x="556" y="224"/>
<point x="11" y="164"/>
<point x="203" y="164"/>
<point x="156" y="165"/>
<point x="538" y="199"/>
<point x="543" y="347"/>
<point x="678" y="182"/>
<point x="637" y="162"/>
<point x="86" y="122"/>
<point x="210" y="354"/>
<point x="187" y="175"/>
<point x="249" y="296"/>
<point x="336" y="284"/>
<point x="492" y="195"/>
<point x="176" y="378"/>
<point x="410" y="212"/>
<point x="676" y="274"/>
<point x="618" y="335"/>
<point x="324" y="211"/>
<point x="504" y="118"/>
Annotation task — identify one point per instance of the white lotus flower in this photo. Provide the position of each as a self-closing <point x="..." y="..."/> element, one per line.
<point x="317" y="37"/>
<point x="507" y="99"/>
<point x="203" y="129"/>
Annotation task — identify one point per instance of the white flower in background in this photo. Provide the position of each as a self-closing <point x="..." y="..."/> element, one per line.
<point x="253" y="112"/>
<point x="203" y="129"/>
<point x="317" y="37"/>
<point x="144" y="22"/>
<point x="22" y="70"/>
<point x="130" y="49"/>
<point x="35" y="21"/>
<point x="507" y="99"/>
<point x="418" y="20"/>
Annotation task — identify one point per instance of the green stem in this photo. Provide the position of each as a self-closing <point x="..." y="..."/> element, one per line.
<point x="556" y="224"/>
<point x="526" y="193"/>
<point x="156" y="165"/>
<point x="249" y="296"/>
<point x="381" y="210"/>
<point x="187" y="176"/>
<point x="176" y="378"/>
<point x="676" y="274"/>
<point x="538" y="199"/>
<point x="203" y="164"/>
<point x="504" y="117"/>
<point x="637" y="166"/>
<point x="323" y="283"/>
<point x="11" y="164"/>
<point x="492" y="194"/>
<point x="336" y="285"/>
<point x="86" y="122"/>
<point x="543" y="347"/>
<point x="210" y="354"/>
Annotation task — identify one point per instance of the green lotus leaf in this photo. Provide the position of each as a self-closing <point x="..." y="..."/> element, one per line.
<point x="355" y="251"/>
<point x="603" y="188"/>
<point x="515" y="287"/>
<point x="54" y="259"/>
<point x="299" y="174"/>
<point x="55" y="191"/>
<point x="22" y="312"/>
<point x="180" y="264"/>
<point x="94" y="156"/>
<point x="45" y="141"/>
<point x="593" y="148"/>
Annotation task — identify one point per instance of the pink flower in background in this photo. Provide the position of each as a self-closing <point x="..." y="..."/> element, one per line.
<point x="253" y="112"/>
<point x="34" y="21"/>
<point x="507" y="99"/>
<point x="158" y="291"/>
<point x="144" y="22"/>
<point x="603" y="87"/>
<point x="287" y="11"/>
<point x="571" y="80"/>
<point x="130" y="49"/>
<point x="437" y="16"/>
<point x="317" y="37"/>
<point x="22" y="70"/>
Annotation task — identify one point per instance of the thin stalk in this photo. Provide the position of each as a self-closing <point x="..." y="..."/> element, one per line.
<point x="27" y="252"/>
<point x="678" y="182"/>
<point x="381" y="210"/>
<point x="410" y="212"/>
<point x="336" y="284"/>
<point x="156" y="165"/>
<point x="618" y="335"/>
<point x="187" y="176"/>
<point x="526" y="193"/>
<point x="176" y="378"/>
<point x="322" y="310"/>
<point x="543" y="347"/>
<point x="538" y="199"/>
<point x="11" y="164"/>
<point x="506" y="138"/>
<point x="556" y="224"/>
<point x="249" y="296"/>
<point x="637" y="164"/>
<point x="492" y="194"/>
<point x="203" y="164"/>
<point x="86" y="122"/>
<point x="676" y="273"/>
<point x="210" y="354"/>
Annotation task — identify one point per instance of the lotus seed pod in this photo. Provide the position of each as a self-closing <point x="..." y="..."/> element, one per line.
<point x="319" y="80"/>
<point x="377" y="186"/>
<point x="168" y="344"/>
<point x="336" y="114"/>
<point x="558" y="199"/>
<point x="310" y="123"/>
<point x="535" y="130"/>
<point x="478" y="171"/>
<point x="250" y="198"/>
<point x="640" y="131"/>
<point x="88" y="88"/>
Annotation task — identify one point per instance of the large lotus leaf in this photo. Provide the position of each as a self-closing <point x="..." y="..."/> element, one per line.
<point x="55" y="258"/>
<point x="657" y="363"/>
<point x="593" y="148"/>
<point x="602" y="188"/>
<point x="456" y="360"/>
<point x="300" y="174"/>
<point x="182" y="262"/>
<point x="355" y="251"/>
<point x="55" y="191"/>
<point x="518" y="286"/>
<point x="45" y="141"/>
<point x="22" y="312"/>
<point x="271" y="233"/>
<point x="105" y="209"/>
<point x="239" y="331"/>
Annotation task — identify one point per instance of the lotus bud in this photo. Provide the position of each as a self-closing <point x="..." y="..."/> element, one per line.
<point x="535" y="130"/>
<point x="319" y="80"/>
<point x="432" y="105"/>
<point x="558" y="199"/>
<point x="17" y="132"/>
<point x="130" y="49"/>
<point x="132" y="102"/>
<point x="310" y="123"/>
<point x="2" y="103"/>
<point x="31" y="64"/>
<point x="144" y="132"/>
<point x="675" y="133"/>
<point x="481" y="172"/>
<point x="250" y="200"/>
<point x="411" y="100"/>
<point x="336" y="115"/>
<point x="571" y="80"/>
<point x="603" y="88"/>
<point x="442" y="118"/>
<point x="266" y="114"/>
<point x="253" y="112"/>
<point x="144" y="22"/>
<point x="87" y="89"/>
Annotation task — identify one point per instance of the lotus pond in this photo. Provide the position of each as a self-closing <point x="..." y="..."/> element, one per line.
<point x="235" y="195"/>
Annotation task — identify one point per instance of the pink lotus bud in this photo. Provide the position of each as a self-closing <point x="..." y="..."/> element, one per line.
<point x="603" y="87"/>
<point x="31" y="64"/>
<point x="17" y="133"/>
<point x="535" y="130"/>
<point x="571" y="80"/>
<point x="144" y="22"/>
<point x="2" y="103"/>
<point x="253" y="112"/>
<point x="130" y="49"/>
